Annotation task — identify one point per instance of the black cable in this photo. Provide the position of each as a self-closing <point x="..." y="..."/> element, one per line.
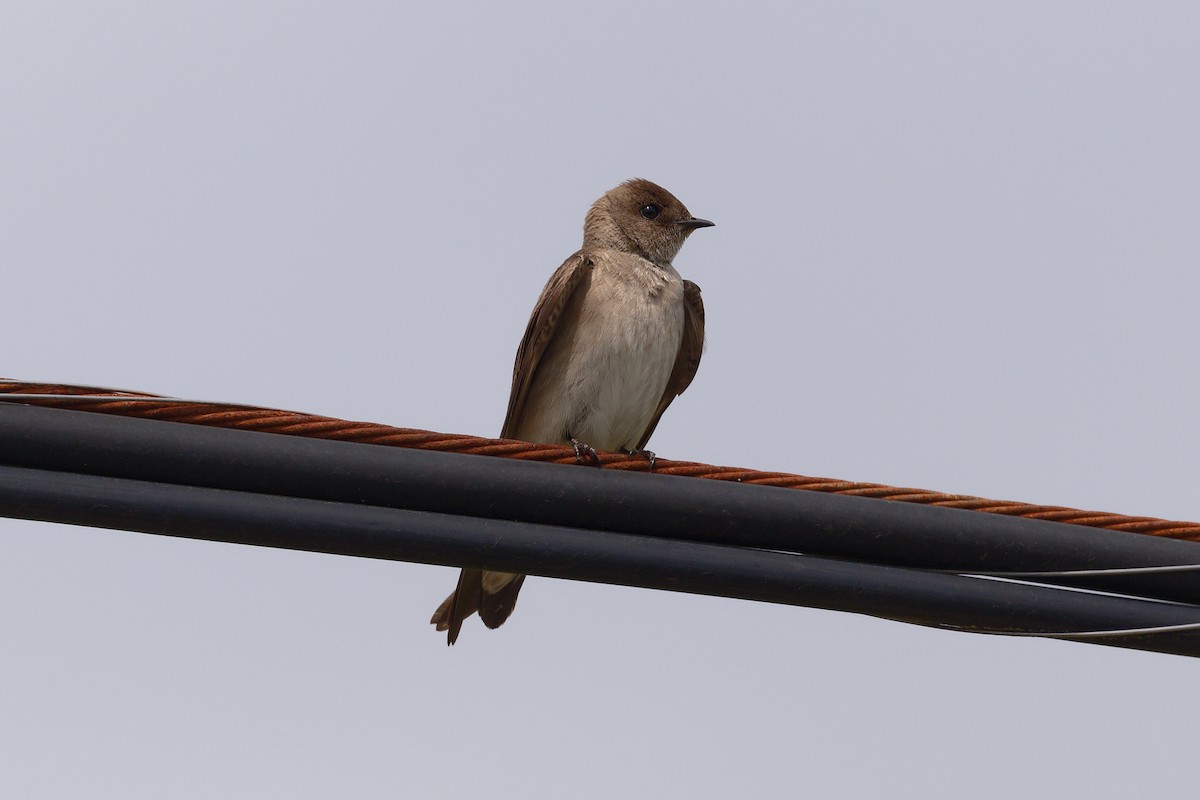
<point x="963" y="603"/>
<point x="857" y="528"/>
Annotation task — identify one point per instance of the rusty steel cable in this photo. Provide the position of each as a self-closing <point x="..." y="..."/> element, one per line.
<point x="292" y="423"/>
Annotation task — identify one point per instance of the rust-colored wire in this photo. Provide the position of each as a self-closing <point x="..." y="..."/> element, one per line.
<point x="291" y="423"/>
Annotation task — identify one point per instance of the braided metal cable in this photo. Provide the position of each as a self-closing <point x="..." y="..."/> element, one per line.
<point x="291" y="423"/>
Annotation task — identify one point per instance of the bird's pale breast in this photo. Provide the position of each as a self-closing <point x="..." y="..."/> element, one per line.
<point x="603" y="377"/>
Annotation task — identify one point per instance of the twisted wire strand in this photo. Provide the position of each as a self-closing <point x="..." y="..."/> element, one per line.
<point x="1121" y="633"/>
<point x="292" y="423"/>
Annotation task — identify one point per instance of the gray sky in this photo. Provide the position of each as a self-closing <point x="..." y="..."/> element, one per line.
<point x="956" y="248"/>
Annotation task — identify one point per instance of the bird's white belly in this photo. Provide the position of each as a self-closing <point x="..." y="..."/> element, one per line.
<point x="618" y="388"/>
<point x="630" y="328"/>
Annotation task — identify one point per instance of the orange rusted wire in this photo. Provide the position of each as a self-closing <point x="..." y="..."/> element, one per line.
<point x="292" y="423"/>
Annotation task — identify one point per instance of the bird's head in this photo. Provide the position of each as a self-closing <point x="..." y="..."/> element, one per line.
<point x="640" y="217"/>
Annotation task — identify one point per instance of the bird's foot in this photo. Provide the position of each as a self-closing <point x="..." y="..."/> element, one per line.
<point x="646" y="454"/>
<point x="582" y="449"/>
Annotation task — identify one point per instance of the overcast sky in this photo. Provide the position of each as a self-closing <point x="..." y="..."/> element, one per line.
<point x="956" y="248"/>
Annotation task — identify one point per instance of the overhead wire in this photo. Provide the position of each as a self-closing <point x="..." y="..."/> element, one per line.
<point x="249" y="417"/>
<point x="1137" y="589"/>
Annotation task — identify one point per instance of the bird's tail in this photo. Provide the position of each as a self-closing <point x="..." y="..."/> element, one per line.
<point x="492" y="594"/>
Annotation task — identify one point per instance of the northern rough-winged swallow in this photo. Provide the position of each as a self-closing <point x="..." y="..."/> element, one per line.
<point x="615" y="336"/>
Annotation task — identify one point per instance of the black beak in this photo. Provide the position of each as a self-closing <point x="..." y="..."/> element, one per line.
<point x="693" y="223"/>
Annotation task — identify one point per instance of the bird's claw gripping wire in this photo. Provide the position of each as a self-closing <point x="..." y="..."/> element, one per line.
<point x="649" y="455"/>
<point x="582" y="449"/>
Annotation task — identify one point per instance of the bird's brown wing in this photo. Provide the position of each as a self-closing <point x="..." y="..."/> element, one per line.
<point x="691" y="347"/>
<point x="542" y="323"/>
<point x="472" y="593"/>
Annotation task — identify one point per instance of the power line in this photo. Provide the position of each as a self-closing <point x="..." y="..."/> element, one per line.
<point x="855" y="528"/>
<point x="931" y="599"/>
<point x="247" y="417"/>
<point x="709" y="537"/>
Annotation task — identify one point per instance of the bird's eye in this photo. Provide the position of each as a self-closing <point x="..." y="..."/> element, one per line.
<point x="651" y="210"/>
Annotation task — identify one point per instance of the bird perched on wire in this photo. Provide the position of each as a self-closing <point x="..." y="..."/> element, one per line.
<point x="616" y="335"/>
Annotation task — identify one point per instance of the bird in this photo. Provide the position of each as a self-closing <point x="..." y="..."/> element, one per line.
<point x="615" y="336"/>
